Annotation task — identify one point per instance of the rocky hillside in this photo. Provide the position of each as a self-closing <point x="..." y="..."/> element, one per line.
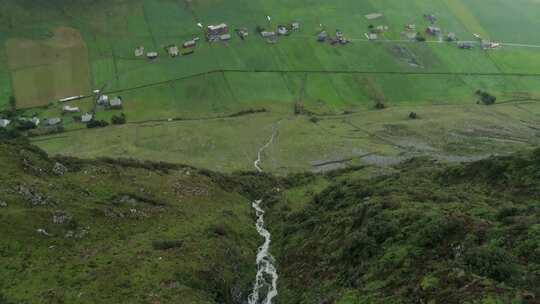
<point x="107" y="231"/>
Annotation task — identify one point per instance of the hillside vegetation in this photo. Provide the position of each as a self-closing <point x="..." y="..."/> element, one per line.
<point x="424" y="234"/>
<point x="123" y="231"/>
<point x="107" y="231"/>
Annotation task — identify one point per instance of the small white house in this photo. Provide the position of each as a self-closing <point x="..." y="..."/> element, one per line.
<point x="53" y="121"/>
<point x="282" y="30"/>
<point x="266" y="34"/>
<point x="87" y="117"/>
<point x="173" y="51"/>
<point x="4" y="123"/>
<point x="225" y="37"/>
<point x="116" y="103"/>
<point x="190" y="43"/>
<point x="152" y="55"/>
<point x="103" y="100"/>
<point x="139" y="51"/>
<point x="70" y="109"/>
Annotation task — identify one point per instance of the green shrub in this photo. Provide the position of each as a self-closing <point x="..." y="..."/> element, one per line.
<point x="166" y="244"/>
<point x="97" y="124"/>
<point x="491" y="261"/>
<point x="118" y="119"/>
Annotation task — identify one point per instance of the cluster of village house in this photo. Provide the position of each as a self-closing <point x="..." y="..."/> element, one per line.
<point x="433" y="30"/>
<point x="221" y="32"/>
<point x="214" y="33"/>
<point x="102" y="101"/>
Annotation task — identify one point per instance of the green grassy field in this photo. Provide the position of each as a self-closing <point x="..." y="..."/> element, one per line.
<point x="225" y="78"/>
<point x="45" y="71"/>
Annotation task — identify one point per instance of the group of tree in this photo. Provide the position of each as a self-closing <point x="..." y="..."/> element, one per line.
<point x="118" y="119"/>
<point x="485" y="97"/>
<point x="96" y="124"/>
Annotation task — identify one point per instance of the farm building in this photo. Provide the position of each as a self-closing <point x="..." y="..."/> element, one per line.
<point x="216" y="30"/>
<point x="451" y="37"/>
<point x="103" y="100"/>
<point x="190" y="43"/>
<point x="372" y="36"/>
<point x="465" y="45"/>
<point x="486" y="44"/>
<point x="173" y="51"/>
<point x="282" y="30"/>
<point x="87" y="117"/>
<point x="242" y="33"/>
<point x="139" y="51"/>
<point x="4" y="123"/>
<point x="433" y="30"/>
<point x="116" y="103"/>
<point x="295" y="26"/>
<point x="225" y="37"/>
<point x="53" y="121"/>
<point x="381" y="28"/>
<point x="152" y="55"/>
<point x="321" y="37"/>
<point x="373" y="16"/>
<point x="70" y="109"/>
<point x="266" y="34"/>
<point x="410" y="27"/>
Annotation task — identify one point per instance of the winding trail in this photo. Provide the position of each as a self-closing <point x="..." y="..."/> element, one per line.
<point x="267" y="276"/>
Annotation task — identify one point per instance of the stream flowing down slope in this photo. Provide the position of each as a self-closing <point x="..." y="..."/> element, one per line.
<point x="265" y="286"/>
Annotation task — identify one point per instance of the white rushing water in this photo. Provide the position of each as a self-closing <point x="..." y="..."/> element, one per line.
<point x="267" y="276"/>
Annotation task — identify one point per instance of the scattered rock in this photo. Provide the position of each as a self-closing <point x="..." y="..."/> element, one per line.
<point x="73" y="234"/>
<point x="3" y="204"/>
<point x="60" y="217"/>
<point x="184" y="189"/>
<point x="59" y="169"/>
<point x="43" y="232"/>
<point x="32" y="196"/>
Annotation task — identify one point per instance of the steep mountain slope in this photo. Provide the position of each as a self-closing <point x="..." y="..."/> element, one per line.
<point x="119" y="232"/>
<point x="425" y="234"/>
<point x="124" y="231"/>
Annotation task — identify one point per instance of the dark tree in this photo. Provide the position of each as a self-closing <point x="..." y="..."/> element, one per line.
<point x="97" y="124"/>
<point x="486" y="98"/>
<point x="118" y="119"/>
